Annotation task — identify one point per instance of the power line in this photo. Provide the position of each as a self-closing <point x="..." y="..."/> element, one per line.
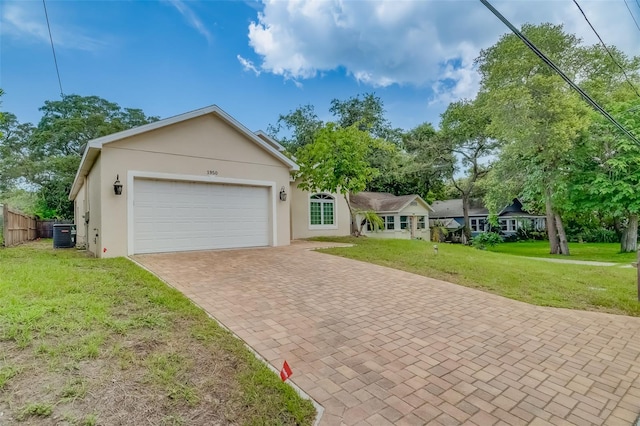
<point x="632" y="17"/>
<point x="554" y="67"/>
<point x="55" y="60"/>
<point x="607" y="49"/>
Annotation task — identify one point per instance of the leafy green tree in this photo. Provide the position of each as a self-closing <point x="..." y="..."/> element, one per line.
<point x="15" y="143"/>
<point x="301" y="126"/>
<point x="606" y="173"/>
<point x="368" y="114"/>
<point x="337" y="161"/>
<point x="539" y="118"/>
<point x="397" y="173"/>
<point x="424" y="169"/>
<point x="467" y="145"/>
<point x="46" y="158"/>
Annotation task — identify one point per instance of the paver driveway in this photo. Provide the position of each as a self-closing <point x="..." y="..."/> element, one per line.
<point x="377" y="346"/>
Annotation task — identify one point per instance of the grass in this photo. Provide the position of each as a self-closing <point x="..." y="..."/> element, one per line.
<point x="596" y="288"/>
<point x="105" y="342"/>
<point x="599" y="252"/>
<point x="36" y="410"/>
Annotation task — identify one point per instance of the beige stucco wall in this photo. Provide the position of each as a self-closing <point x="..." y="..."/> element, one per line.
<point x="93" y="195"/>
<point x="189" y="148"/>
<point x="79" y="208"/>
<point x="300" y="227"/>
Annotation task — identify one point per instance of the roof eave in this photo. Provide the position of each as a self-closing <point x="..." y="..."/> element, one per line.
<point x="214" y="109"/>
<point x="419" y="198"/>
<point x="86" y="164"/>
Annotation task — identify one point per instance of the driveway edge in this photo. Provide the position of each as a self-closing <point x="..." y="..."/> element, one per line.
<point x="319" y="408"/>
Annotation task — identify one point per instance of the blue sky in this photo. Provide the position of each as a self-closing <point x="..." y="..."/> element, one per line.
<point x="257" y="59"/>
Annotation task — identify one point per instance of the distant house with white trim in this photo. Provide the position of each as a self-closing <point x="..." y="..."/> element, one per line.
<point x="404" y="216"/>
<point x="449" y="214"/>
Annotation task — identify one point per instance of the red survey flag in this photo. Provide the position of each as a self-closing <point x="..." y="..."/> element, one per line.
<point x="286" y="372"/>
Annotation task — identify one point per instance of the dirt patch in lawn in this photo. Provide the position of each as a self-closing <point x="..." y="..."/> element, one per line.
<point x="89" y="342"/>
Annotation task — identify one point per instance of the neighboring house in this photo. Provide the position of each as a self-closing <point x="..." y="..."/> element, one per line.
<point x="449" y="214"/>
<point x="405" y="216"/>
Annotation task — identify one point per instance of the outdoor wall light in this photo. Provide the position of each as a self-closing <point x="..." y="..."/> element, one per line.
<point x="283" y="194"/>
<point x="117" y="186"/>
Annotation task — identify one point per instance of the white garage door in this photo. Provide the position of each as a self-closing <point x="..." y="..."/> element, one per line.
<point x="181" y="216"/>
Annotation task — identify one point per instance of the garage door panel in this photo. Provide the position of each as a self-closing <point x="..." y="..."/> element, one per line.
<point x="180" y="216"/>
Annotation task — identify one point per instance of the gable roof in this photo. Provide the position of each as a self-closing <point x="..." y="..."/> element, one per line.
<point x="95" y="146"/>
<point x="453" y="208"/>
<point x="268" y="139"/>
<point x="384" y="201"/>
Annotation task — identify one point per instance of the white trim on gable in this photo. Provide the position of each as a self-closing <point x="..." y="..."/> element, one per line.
<point x="416" y="198"/>
<point x="88" y="157"/>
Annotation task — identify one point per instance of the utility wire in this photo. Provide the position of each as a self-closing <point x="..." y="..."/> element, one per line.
<point x="55" y="60"/>
<point x="554" y="67"/>
<point x="632" y="17"/>
<point x="607" y="49"/>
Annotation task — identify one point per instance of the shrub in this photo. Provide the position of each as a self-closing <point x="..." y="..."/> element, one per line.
<point x="486" y="239"/>
<point x="595" y="235"/>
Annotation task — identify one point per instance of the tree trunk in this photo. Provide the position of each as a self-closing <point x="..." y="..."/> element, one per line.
<point x="465" y="213"/>
<point x="564" y="244"/>
<point x="551" y="224"/>
<point x="629" y="240"/>
<point x="354" y="225"/>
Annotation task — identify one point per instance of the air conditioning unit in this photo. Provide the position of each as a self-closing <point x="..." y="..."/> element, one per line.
<point x="64" y="235"/>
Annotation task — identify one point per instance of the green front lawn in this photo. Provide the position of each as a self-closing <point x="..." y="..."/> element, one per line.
<point x="596" y="288"/>
<point x="599" y="252"/>
<point x="86" y="341"/>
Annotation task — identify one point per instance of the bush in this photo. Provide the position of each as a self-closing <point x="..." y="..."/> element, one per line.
<point x="597" y="235"/>
<point x="486" y="239"/>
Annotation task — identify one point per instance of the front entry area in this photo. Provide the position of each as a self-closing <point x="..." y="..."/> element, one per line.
<point x="171" y="215"/>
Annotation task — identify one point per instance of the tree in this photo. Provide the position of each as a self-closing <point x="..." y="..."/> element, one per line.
<point x="15" y="139"/>
<point x="605" y="173"/>
<point x="397" y="173"/>
<point x="46" y="158"/>
<point x="367" y="113"/>
<point x="337" y="161"/>
<point x="302" y="124"/>
<point x="467" y="145"/>
<point x="539" y="118"/>
<point x="425" y="169"/>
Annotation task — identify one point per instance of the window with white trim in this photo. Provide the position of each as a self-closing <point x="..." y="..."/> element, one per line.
<point x="508" y="225"/>
<point x="404" y="222"/>
<point x="389" y="222"/>
<point x="322" y="210"/>
<point x="421" y="222"/>
<point x="478" y="225"/>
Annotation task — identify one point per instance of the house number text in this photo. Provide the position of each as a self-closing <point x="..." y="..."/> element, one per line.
<point x="212" y="172"/>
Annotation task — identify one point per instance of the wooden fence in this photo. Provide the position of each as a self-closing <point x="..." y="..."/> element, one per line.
<point x="45" y="226"/>
<point x="17" y="227"/>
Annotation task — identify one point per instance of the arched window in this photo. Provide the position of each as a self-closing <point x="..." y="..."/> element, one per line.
<point x="322" y="210"/>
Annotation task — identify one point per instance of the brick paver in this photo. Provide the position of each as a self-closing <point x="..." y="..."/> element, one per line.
<point x="376" y="346"/>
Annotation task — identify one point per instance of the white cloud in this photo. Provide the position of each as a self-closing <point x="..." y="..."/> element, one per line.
<point x="26" y="22"/>
<point x="420" y="43"/>
<point x="192" y="19"/>
<point x="247" y="65"/>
